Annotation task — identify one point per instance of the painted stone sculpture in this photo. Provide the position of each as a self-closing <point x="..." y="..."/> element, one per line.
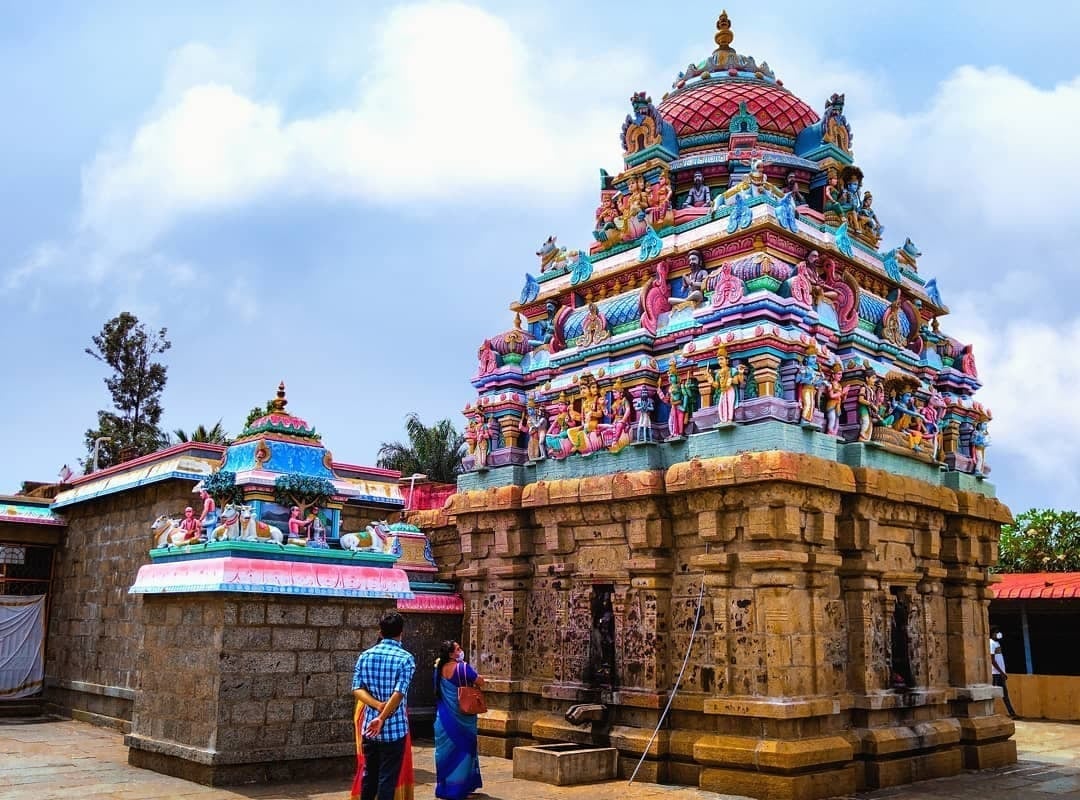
<point x="738" y="224"/>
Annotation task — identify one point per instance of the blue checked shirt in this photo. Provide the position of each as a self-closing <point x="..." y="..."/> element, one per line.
<point x="382" y="670"/>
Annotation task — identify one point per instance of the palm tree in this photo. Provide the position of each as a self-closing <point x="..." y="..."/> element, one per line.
<point x="215" y="435"/>
<point x="434" y="451"/>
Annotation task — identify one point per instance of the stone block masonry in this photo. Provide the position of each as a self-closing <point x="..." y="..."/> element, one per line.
<point x="237" y="688"/>
<point x="840" y="642"/>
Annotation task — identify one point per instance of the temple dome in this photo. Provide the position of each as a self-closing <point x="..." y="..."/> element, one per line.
<point x="708" y="95"/>
<point x="710" y="105"/>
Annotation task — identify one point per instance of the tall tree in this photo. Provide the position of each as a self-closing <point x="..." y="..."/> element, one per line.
<point x="136" y="384"/>
<point x="303" y="491"/>
<point x="434" y="451"/>
<point x="258" y="411"/>
<point x="214" y="435"/>
<point x="1041" y="540"/>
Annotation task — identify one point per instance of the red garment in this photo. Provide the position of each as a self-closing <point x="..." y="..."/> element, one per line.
<point x="406" y="780"/>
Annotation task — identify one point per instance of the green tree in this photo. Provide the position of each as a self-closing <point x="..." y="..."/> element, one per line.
<point x="258" y="411"/>
<point x="214" y="435"/>
<point x="1041" y="540"/>
<point x="222" y="487"/>
<point x="304" y="491"/>
<point x="135" y="383"/>
<point x="434" y="451"/>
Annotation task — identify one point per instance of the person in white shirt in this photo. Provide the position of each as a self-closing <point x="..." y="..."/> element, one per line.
<point x="997" y="669"/>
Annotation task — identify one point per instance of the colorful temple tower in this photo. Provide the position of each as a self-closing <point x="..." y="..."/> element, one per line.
<point x="730" y="430"/>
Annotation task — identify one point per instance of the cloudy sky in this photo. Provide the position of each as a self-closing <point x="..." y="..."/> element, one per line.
<point x="347" y="196"/>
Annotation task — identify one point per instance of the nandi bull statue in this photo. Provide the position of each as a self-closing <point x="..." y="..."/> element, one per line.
<point x="168" y="532"/>
<point x="237" y="522"/>
<point x="375" y="538"/>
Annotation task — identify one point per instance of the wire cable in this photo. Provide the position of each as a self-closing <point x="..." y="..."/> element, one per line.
<point x="678" y="680"/>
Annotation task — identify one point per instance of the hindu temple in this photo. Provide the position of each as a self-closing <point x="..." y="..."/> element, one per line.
<point x="726" y="507"/>
<point x="209" y="601"/>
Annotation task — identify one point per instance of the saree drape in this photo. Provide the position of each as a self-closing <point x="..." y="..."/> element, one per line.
<point x="406" y="780"/>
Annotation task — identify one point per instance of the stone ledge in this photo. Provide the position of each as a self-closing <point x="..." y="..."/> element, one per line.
<point x="271" y="771"/>
<point x="908" y="739"/>
<point x="91" y="688"/>
<point x="197" y="755"/>
<point x="772" y="755"/>
<point x="922" y="767"/>
<point x="810" y="786"/>
<point x="889" y="699"/>
<point x="776" y="709"/>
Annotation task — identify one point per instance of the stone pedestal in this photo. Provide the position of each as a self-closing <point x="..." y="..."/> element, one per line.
<point x="237" y="688"/>
<point x="801" y="587"/>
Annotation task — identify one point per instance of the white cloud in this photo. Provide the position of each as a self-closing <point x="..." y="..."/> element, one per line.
<point x="452" y="107"/>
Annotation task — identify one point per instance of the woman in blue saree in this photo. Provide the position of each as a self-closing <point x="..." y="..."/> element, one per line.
<point x="457" y="764"/>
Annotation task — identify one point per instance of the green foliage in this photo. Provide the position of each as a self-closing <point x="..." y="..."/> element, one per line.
<point x="214" y="435"/>
<point x="222" y="487"/>
<point x="434" y="451"/>
<point x="304" y="491"/>
<point x="136" y="384"/>
<point x="258" y="411"/>
<point x="1041" y="540"/>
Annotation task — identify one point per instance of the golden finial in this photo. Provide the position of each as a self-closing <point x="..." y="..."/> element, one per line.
<point x="724" y="37"/>
<point x="721" y="351"/>
<point x="517" y="321"/>
<point x="278" y="404"/>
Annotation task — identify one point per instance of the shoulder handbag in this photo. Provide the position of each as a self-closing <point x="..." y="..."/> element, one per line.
<point x="470" y="698"/>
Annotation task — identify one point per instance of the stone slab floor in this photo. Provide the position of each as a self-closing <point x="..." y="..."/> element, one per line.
<point x="45" y="759"/>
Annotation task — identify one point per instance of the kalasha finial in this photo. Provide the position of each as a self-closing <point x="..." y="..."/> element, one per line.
<point x="279" y="403"/>
<point x="724" y="37"/>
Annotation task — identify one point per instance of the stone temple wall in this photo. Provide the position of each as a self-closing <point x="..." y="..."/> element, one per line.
<point x="237" y="688"/>
<point x="94" y="629"/>
<point x="841" y="638"/>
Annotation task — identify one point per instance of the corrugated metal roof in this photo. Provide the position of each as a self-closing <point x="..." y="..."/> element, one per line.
<point x="1038" y="586"/>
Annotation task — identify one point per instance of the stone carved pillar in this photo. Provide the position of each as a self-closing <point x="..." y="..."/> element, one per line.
<point x="766" y="372"/>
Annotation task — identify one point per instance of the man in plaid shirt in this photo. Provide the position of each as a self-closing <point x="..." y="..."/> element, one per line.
<point x="385" y="672"/>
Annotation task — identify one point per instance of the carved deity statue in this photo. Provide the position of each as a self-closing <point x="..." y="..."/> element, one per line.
<point x="868" y="220"/>
<point x="980" y="440"/>
<point x="834" y="398"/>
<point x="834" y="125"/>
<point x="643" y="407"/>
<point x="725" y="381"/>
<point x="809" y="380"/>
<point x="593" y="328"/>
<point x="487" y="357"/>
<point x="694" y="282"/>
<point x="699" y="196"/>
<point x="869" y="390"/>
<point x="534" y="425"/>
<point x="678" y="396"/>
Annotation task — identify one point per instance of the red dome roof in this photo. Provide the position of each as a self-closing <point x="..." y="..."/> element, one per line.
<point x="709" y="106"/>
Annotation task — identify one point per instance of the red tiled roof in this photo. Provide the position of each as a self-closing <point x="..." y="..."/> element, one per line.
<point x="1038" y="586"/>
<point x="711" y="105"/>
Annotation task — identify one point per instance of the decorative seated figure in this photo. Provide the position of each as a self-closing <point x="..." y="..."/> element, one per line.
<point x="694" y="282"/>
<point x="757" y="180"/>
<point x="869" y="226"/>
<point x="190" y="526"/>
<point x="699" y="196"/>
<point x="298" y="528"/>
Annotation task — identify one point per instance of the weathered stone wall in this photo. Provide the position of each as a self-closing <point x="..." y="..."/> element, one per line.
<point x="249" y="688"/>
<point x="94" y="631"/>
<point x="790" y="688"/>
